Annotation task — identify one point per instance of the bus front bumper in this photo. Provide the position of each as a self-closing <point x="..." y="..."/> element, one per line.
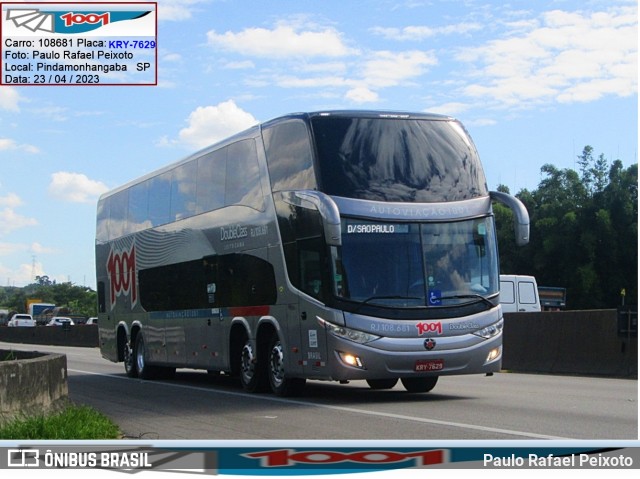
<point x="415" y="357"/>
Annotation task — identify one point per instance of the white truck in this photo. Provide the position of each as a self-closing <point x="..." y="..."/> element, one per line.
<point x="23" y="320"/>
<point x="519" y="294"/>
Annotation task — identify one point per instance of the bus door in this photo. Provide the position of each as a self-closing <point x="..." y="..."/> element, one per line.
<point x="310" y="308"/>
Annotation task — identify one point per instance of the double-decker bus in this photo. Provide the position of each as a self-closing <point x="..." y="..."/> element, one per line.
<point x="338" y="245"/>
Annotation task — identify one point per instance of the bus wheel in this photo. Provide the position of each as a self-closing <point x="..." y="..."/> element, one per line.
<point x="281" y="385"/>
<point x="382" y="383"/>
<point x="142" y="368"/>
<point x="419" y="385"/>
<point x="252" y="370"/>
<point x="129" y="364"/>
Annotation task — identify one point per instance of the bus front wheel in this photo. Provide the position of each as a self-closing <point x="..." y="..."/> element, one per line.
<point x="419" y="385"/>
<point x="382" y="383"/>
<point x="281" y="385"/>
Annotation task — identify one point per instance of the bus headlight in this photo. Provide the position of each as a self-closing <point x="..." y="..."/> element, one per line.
<point x="491" y="330"/>
<point x="343" y="332"/>
<point x="494" y="354"/>
<point x="351" y="360"/>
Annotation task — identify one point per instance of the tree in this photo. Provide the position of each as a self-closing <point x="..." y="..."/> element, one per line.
<point x="80" y="300"/>
<point x="584" y="232"/>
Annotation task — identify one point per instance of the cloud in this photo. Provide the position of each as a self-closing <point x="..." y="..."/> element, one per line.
<point x="37" y="248"/>
<point x="9" y="219"/>
<point x="9" y="98"/>
<point x="285" y="40"/>
<point x="177" y="10"/>
<point x="422" y="32"/>
<point x="75" y="187"/>
<point x="10" y="201"/>
<point x="10" y="249"/>
<point x="7" y="144"/>
<point x="451" y="108"/>
<point x="387" y="68"/>
<point x="380" y="69"/>
<point x="362" y="95"/>
<point x="210" y="124"/>
<point x="298" y="53"/>
<point x="562" y="57"/>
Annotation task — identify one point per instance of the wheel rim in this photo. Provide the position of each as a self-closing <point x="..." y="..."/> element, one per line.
<point x="276" y="365"/>
<point x="140" y="355"/>
<point x="128" y="358"/>
<point x="247" y="363"/>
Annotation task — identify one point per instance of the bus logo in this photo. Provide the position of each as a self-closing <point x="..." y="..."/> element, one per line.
<point x="121" y="269"/>
<point x="429" y="327"/>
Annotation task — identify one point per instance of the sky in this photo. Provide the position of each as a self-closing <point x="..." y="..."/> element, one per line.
<point x="534" y="82"/>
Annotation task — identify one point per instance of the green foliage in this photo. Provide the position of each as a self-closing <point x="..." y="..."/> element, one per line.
<point x="584" y="232"/>
<point x="80" y="300"/>
<point x="74" y="422"/>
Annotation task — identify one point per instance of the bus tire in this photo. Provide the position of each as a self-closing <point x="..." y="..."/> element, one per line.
<point x="252" y="368"/>
<point x="419" y="385"/>
<point x="144" y="370"/>
<point x="128" y="359"/>
<point x="281" y="385"/>
<point x="382" y="383"/>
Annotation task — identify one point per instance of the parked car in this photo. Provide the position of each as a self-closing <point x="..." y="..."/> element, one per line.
<point x="24" y="320"/>
<point x="60" y="321"/>
<point x="91" y="321"/>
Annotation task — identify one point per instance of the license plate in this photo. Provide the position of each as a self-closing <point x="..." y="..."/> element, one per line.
<point x="431" y="365"/>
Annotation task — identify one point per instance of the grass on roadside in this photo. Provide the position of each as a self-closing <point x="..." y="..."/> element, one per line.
<point x="73" y="422"/>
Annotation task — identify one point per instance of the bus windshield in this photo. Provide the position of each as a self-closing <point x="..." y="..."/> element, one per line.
<point x="416" y="265"/>
<point x="392" y="159"/>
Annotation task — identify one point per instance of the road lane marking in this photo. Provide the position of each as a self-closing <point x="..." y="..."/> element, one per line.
<point x="385" y="415"/>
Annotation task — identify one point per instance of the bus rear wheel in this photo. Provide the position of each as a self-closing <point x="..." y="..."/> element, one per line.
<point x="252" y="369"/>
<point x="127" y="357"/>
<point x="419" y="385"/>
<point x="139" y="358"/>
<point x="281" y="385"/>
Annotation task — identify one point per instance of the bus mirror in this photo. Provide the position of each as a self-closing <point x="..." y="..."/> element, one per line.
<point x="328" y="212"/>
<point x="520" y="215"/>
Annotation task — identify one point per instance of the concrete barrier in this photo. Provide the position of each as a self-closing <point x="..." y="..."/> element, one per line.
<point x="563" y="342"/>
<point x="77" y="335"/>
<point x="31" y="383"/>
<point x="569" y="342"/>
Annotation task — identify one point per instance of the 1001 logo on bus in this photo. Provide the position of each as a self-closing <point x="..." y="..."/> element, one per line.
<point x="121" y="269"/>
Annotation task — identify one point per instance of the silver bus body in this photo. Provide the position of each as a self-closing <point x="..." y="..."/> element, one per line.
<point x="340" y="245"/>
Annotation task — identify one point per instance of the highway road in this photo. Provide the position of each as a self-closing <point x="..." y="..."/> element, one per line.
<point x="509" y="406"/>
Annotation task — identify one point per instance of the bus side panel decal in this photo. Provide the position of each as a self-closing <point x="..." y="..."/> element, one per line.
<point x="121" y="269"/>
<point x="249" y="311"/>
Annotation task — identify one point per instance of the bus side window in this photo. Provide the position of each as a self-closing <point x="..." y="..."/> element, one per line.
<point x="212" y="170"/>
<point x="159" y="199"/>
<point x="183" y="191"/>
<point x="119" y="205"/>
<point x="245" y="280"/>
<point x="243" y="176"/>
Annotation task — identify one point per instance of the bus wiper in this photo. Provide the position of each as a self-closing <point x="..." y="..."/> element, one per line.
<point x="477" y="297"/>
<point x="373" y="298"/>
